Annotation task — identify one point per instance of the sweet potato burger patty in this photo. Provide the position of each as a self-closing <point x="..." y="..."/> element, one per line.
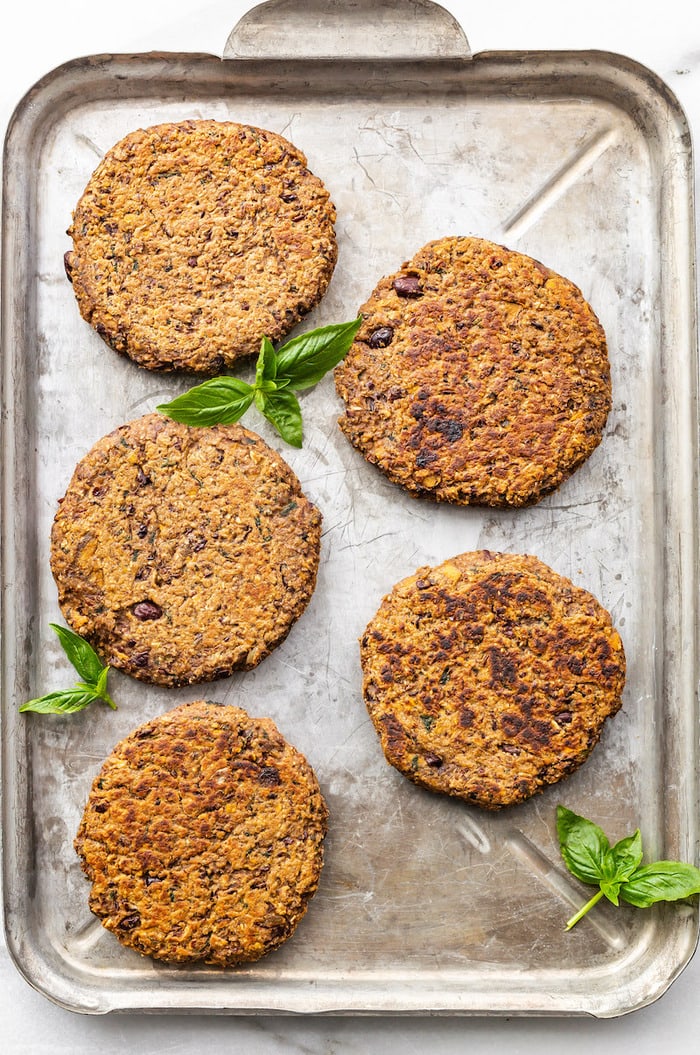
<point x="479" y="376"/>
<point x="203" y="837"/>
<point x="193" y="240"/>
<point x="490" y="676"/>
<point x="183" y="554"/>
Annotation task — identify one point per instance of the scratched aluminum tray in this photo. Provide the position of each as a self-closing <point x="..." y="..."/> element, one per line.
<point x="425" y="905"/>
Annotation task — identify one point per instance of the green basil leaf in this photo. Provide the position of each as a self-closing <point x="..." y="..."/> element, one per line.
<point x="618" y="870"/>
<point x="82" y="655"/>
<point x="583" y="846"/>
<point x="627" y="854"/>
<point x="304" y="360"/>
<point x="101" y="689"/>
<point x="661" y="881"/>
<point x="101" y="683"/>
<point x="283" y="411"/>
<point x="220" y="401"/>
<point x="300" y="363"/>
<point x="67" y="701"/>
<point x="618" y="864"/>
<point x="266" y="367"/>
<point x="611" y="889"/>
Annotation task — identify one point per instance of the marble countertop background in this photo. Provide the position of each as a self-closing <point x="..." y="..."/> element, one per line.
<point x="39" y="36"/>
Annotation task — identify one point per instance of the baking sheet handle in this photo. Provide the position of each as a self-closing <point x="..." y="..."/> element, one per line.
<point x="331" y="29"/>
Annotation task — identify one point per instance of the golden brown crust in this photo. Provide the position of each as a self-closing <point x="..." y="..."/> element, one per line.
<point x="203" y="837"/>
<point x="489" y="676"/>
<point x="193" y="240"/>
<point x="184" y="553"/>
<point x="479" y="376"/>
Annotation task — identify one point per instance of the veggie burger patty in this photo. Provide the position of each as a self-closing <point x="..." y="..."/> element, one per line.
<point x="490" y="676"/>
<point x="181" y="553"/>
<point x="202" y="837"/>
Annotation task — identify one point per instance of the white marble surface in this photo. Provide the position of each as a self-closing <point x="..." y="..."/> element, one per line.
<point x="38" y="37"/>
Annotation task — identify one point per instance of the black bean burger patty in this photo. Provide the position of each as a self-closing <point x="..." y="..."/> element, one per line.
<point x="490" y="676"/>
<point x="192" y="240"/>
<point x="181" y="553"/>
<point x="478" y="376"/>
<point x="202" y="837"/>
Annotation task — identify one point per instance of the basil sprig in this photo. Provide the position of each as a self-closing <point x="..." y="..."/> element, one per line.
<point x="617" y="870"/>
<point x="298" y="364"/>
<point x="90" y="669"/>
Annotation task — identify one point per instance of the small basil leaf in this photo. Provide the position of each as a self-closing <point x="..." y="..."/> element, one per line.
<point x="304" y="360"/>
<point x="627" y="854"/>
<point x="220" y="401"/>
<point x="82" y="655"/>
<point x="69" y="701"/>
<point x="583" y="846"/>
<point x="283" y="411"/>
<point x="101" y="689"/>
<point x="266" y="367"/>
<point x="611" y="889"/>
<point x="661" y="881"/>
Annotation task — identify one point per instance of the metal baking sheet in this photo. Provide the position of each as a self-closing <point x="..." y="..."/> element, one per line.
<point x="581" y="159"/>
